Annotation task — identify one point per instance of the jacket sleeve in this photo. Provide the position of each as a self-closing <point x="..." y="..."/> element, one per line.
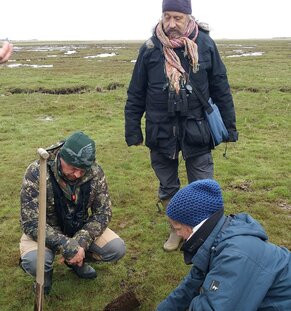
<point x="181" y="297"/>
<point x="100" y="205"/>
<point x="29" y="197"/>
<point x="220" y="93"/>
<point x="235" y="282"/>
<point x="136" y="97"/>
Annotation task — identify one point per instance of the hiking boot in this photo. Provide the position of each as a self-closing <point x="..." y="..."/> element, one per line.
<point x="173" y="242"/>
<point x="83" y="272"/>
<point x="162" y="204"/>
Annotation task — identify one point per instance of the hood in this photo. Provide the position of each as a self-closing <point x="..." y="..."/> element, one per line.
<point x="226" y="228"/>
<point x="243" y="224"/>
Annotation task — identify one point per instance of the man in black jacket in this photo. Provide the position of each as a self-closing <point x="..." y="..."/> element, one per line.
<point x="177" y="62"/>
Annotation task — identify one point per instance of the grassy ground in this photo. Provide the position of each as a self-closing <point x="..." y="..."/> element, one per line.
<point x="39" y="106"/>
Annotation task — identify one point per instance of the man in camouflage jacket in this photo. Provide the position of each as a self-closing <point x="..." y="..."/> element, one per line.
<point x="78" y="211"/>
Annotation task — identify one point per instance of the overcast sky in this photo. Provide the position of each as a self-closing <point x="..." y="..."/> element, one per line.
<point x="134" y="19"/>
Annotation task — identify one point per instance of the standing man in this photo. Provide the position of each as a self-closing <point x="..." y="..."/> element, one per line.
<point x="77" y="215"/>
<point x="179" y="57"/>
<point x="234" y="266"/>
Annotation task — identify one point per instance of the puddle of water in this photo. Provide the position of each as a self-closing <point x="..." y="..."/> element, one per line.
<point x="40" y="50"/>
<point x="25" y="65"/>
<point x="47" y="48"/>
<point x="46" y="119"/>
<point x="112" y="48"/>
<point x="247" y="54"/>
<point x="101" y="55"/>
<point x="70" y="52"/>
<point x="231" y="44"/>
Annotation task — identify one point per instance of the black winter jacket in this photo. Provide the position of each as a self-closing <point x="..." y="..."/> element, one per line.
<point x="148" y="93"/>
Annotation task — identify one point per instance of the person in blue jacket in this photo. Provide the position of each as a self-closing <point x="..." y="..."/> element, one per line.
<point x="178" y="62"/>
<point x="234" y="267"/>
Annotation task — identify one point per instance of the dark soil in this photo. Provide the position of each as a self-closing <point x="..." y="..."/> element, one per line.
<point x="60" y="91"/>
<point x="125" y="302"/>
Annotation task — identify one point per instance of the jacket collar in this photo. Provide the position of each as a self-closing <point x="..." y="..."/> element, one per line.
<point x="202" y="257"/>
<point x="191" y="246"/>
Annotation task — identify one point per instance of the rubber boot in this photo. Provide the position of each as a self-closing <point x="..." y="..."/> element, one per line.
<point x="48" y="282"/>
<point x="84" y="272"/>
<point x="162" y="205"/>
<point x="173" y="242"/>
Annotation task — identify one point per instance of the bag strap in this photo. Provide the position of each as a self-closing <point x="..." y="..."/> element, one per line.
<point x="206" y="105"/>
<point x="208" y="109"/>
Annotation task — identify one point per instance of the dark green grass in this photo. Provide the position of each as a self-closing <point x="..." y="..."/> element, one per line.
<point x="255" y="177"/>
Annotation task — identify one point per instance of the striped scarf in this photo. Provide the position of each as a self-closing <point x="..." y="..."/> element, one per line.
<point x="174" y="70"/>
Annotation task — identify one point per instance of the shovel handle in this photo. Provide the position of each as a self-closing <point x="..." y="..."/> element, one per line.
<point x="44" y="155"/>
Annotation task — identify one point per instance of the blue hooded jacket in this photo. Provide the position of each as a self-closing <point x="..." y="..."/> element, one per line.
<point x="235" y="269"/>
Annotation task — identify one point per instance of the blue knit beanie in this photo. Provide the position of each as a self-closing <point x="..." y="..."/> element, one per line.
<point x="182" y="6"/>
<point x="196" y="202"/>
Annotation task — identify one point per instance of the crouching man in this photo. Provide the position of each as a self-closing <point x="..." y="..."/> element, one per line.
<point x="77" y="215"/>
<point x="234" y="267"/>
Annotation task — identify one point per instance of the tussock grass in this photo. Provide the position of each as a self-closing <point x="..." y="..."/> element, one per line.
<point x="255" y="177"/>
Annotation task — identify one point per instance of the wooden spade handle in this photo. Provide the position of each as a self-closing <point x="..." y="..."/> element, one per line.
<point x="39" y="294"/>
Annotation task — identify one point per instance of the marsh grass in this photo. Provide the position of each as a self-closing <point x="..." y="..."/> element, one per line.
<point x="255" y="177"/>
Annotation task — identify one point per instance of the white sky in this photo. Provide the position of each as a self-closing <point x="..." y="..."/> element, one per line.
<point x="134" y="19"/>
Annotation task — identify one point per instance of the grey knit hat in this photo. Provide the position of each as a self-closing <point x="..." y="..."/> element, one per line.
<point x="196" y="202"/>
<point x="182" y="6"/>
<point x="79" y="150"/>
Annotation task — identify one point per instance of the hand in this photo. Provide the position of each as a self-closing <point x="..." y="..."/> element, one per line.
<point x="5" y="52"/>
<point x="77" y="259"/>
<point x="233" y="136"/>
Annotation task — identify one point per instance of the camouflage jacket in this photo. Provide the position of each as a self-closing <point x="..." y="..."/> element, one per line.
<point x="98" y="209"/>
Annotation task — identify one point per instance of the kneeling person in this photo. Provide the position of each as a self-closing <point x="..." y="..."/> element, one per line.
<point x="234" y="265"/>
<point x="77" y="215"/>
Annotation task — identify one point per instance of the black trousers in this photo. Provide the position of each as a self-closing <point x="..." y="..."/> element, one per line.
<point x="200" y="167"/>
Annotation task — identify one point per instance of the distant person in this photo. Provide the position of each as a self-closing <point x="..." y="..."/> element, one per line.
<point x="234" y="267"/>
<point x="178" y="57"/>
<point x="5" y="52"/>
<point x="78" y="211"/>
